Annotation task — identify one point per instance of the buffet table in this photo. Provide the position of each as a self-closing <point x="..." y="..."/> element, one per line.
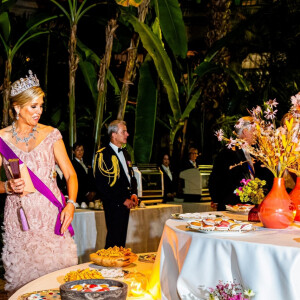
<point x="265" y="260"/>
<point x="144" y="229"/>
<point x="55" y="279"/>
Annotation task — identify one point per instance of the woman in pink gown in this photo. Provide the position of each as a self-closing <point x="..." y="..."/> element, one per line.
<point x="29" y="254"/>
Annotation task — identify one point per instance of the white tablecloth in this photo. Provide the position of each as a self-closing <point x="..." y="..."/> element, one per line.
<point x="145" y="228"/>
<point x="266" y="260"/>
<point x="55" y="279"/>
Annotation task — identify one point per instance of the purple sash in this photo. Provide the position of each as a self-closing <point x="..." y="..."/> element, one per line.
<point x="40" y="186"/>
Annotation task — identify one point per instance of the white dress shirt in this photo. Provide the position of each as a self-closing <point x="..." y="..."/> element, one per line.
<point x="167" y="170"/>
<point x="83" y="165"/>
<point x="122" y="159"/>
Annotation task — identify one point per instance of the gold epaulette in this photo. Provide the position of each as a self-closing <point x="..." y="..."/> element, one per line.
<point x="95" y="159"/>
<point x="100" y="150"/>
<point x="111" y="173"/>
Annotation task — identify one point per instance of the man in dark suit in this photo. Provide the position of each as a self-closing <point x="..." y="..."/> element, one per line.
<point x="191" y="162"/>
<point x="231" y="166"/>
<point x="86" y="186"/>
<point x="169" y="180"/>
<point x="116" y="184"/>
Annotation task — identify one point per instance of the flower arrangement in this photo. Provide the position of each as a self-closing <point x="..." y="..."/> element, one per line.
<point x="229" y="291"/>
<point x="276" y="148"/>
<point x="251" y="190"/>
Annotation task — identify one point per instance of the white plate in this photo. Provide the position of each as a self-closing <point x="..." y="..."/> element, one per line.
<point x="176" y="216"/>
<point x="240" y="211"/>
<point x="187" y="216"/>
<point x="222" y="232"/>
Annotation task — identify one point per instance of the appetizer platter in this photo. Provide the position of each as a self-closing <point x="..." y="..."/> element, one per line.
<point x="239" y="208"/>
<point x="113" y="257"/>
<point x="219" y="226"/>
<point x="42" y="295"/>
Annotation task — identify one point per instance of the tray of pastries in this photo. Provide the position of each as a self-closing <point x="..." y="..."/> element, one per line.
<point x="53" y="294"/>
<point x="239" y="208"/>
<point x="220" y="226"/>
<point x="113" y="257"/>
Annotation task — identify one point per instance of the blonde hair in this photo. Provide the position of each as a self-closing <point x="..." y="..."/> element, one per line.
<point x="23" y="98"/>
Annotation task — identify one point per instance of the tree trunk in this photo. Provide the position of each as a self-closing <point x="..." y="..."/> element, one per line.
<point x="73" y="65"/>
<point x="6" y="93"/>
<point x="102" y="82"/>
<point x="183" y="139"/>
<point x="130" y="71"/>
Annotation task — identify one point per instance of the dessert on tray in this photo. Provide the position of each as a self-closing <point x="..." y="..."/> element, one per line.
<point x="241" y="208"/>
<point x="83" y="274"/>
<point x="53" y="294"/>
<point x="113" y="257"/>
<point x="219" y="225"/>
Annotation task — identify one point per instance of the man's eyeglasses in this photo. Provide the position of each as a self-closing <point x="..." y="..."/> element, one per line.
<point x="194" y="153"/>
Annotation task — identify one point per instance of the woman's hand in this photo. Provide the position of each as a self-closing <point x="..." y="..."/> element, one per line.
<point x="16" y="186"/>
<point x="66" y="217"/>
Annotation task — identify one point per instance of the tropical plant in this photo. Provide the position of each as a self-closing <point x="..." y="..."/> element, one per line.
<point x="10" y="49"/>
<point x="130" y="70"/>
<point x="74" y="14"/>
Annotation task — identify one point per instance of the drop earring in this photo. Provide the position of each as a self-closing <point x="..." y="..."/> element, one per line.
<point x="17" y="116"/>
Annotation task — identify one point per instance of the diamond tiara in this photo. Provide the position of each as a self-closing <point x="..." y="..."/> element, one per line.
<point x="24" y="84"/>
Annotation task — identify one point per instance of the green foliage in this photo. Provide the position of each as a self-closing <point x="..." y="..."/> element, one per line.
<point x="172" y="25"/>
<point x="161" y="60"/>
<point x="5" y="25"/>
<point x="90" y="56"/>
<point x="145" y="114"/>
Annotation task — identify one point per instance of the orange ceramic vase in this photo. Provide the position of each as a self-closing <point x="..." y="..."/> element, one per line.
<point x="277" y="210"/>
<point x="295" y="196"/>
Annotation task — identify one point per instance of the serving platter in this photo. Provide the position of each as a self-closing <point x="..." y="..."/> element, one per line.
<point x="186" y="216"/>
<point x="239" y="209"/>
<point x="221" y="232"/>
<point x="52" y="294"/>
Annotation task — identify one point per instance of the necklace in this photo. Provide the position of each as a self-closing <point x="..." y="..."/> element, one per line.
<point x="25" y="139"/>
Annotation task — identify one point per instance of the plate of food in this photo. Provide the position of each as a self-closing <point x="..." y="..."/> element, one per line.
<point x="53" y="294"/>
<point x="113" y="257"/>
<point x="148" y="258"/>
<point x="239" y="208"/>
<point x="220" y="226"/>
<point x="186" y="216"/>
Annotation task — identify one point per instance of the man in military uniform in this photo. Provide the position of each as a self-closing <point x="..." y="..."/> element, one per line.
<point x="116" y="184"/>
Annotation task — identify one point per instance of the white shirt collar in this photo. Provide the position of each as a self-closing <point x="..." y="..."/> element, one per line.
<point x="115" y="148"/>
<point x="78" y="159"/>
<point x="165" y="168"/>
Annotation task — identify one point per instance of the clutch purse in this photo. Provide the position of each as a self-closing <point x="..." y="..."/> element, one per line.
<point x="16" y="173"/>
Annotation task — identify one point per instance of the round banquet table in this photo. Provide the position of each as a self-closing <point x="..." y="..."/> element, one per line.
<point x="265" y="260"/>
<point x="55" y="279"/>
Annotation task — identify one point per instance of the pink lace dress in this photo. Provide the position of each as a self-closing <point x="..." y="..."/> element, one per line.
<point x="28" y="255"/>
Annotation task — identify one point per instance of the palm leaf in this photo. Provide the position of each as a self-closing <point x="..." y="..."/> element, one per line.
<point x="145" y="113"/>
<point x="94" y="58"/>
<point x="172" y="25"/>
<point x="90" y="77"/>
<point x="161" y="60"/>
<point x="5" y="25"/>
<point x="20" y="40"/>
<point x="63" y="9"/>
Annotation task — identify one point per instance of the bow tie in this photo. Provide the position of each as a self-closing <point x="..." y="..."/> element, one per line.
<point x="120" y="150"/>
